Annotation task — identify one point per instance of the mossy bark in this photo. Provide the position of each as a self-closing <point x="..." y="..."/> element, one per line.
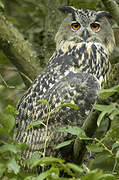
<point x="19" y="51"/>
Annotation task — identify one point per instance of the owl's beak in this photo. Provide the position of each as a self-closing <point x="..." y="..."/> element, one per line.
<point x="85" y="34"/>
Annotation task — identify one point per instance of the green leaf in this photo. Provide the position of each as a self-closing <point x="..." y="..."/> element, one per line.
<point x="73" y="106"/>
<point x="36" y="155"/>
<point x="44" y="102"/>
<point x="43" y="175"/>
<point x="46" y="161"/>
<point x="93" y="175"/>
<point x="102" y="159"/>
<point x="94" y="148"/>
<point x="115" y="145"/>
<point x="100" y="117"/>
<point x="10" y="123"/>
<point x="63" y="144"/>
<point x="114" y="114"/>
<point x="107" y="177"/>
<point x="105" y="93"/>
<point x="75" y="167"/>
<point x="12" y="165"/>
<point x="10" y="148"/>
<point x="36" y="124"/>
<point x="74" y="130"/>
<point x="115" y="88"/>
<point x="107" y="108"/>
<point x="7" y="123"/>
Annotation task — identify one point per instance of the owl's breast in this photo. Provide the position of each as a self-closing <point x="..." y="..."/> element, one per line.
<point x="85" y="57"/>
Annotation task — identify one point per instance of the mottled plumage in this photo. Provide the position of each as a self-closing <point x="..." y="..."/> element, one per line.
<point x="74" y="74"/>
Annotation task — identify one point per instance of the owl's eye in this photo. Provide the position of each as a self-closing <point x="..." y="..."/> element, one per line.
<point x="95" y="26"/>
<point x="75" y="26"/>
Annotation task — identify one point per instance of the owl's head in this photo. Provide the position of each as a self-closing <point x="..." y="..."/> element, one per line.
<point x="86" y="26"/>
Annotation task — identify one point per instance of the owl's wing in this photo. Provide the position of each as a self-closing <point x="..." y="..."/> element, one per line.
<point x="76" y="88"/>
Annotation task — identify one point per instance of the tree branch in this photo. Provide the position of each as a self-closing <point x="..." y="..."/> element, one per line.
<point x="89" y="126"/>
<point x="19" y="51"/>
<point x="113" y="8"/>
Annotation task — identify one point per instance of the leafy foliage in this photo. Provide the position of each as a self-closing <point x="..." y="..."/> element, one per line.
<point x="103" y="166"/>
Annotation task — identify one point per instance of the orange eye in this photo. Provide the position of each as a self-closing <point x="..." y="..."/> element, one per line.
<point x="95" y="26"/>
<point x="75" y="26"/>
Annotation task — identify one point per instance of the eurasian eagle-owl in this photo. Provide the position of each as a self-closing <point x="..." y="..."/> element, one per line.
<point x="74" y="74"/>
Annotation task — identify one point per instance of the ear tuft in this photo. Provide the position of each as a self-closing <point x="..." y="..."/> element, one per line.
<point x="102" y="14"/>
<point x="67" y="9"/>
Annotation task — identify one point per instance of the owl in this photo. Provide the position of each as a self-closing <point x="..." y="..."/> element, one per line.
<point x="74" y="74"/>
